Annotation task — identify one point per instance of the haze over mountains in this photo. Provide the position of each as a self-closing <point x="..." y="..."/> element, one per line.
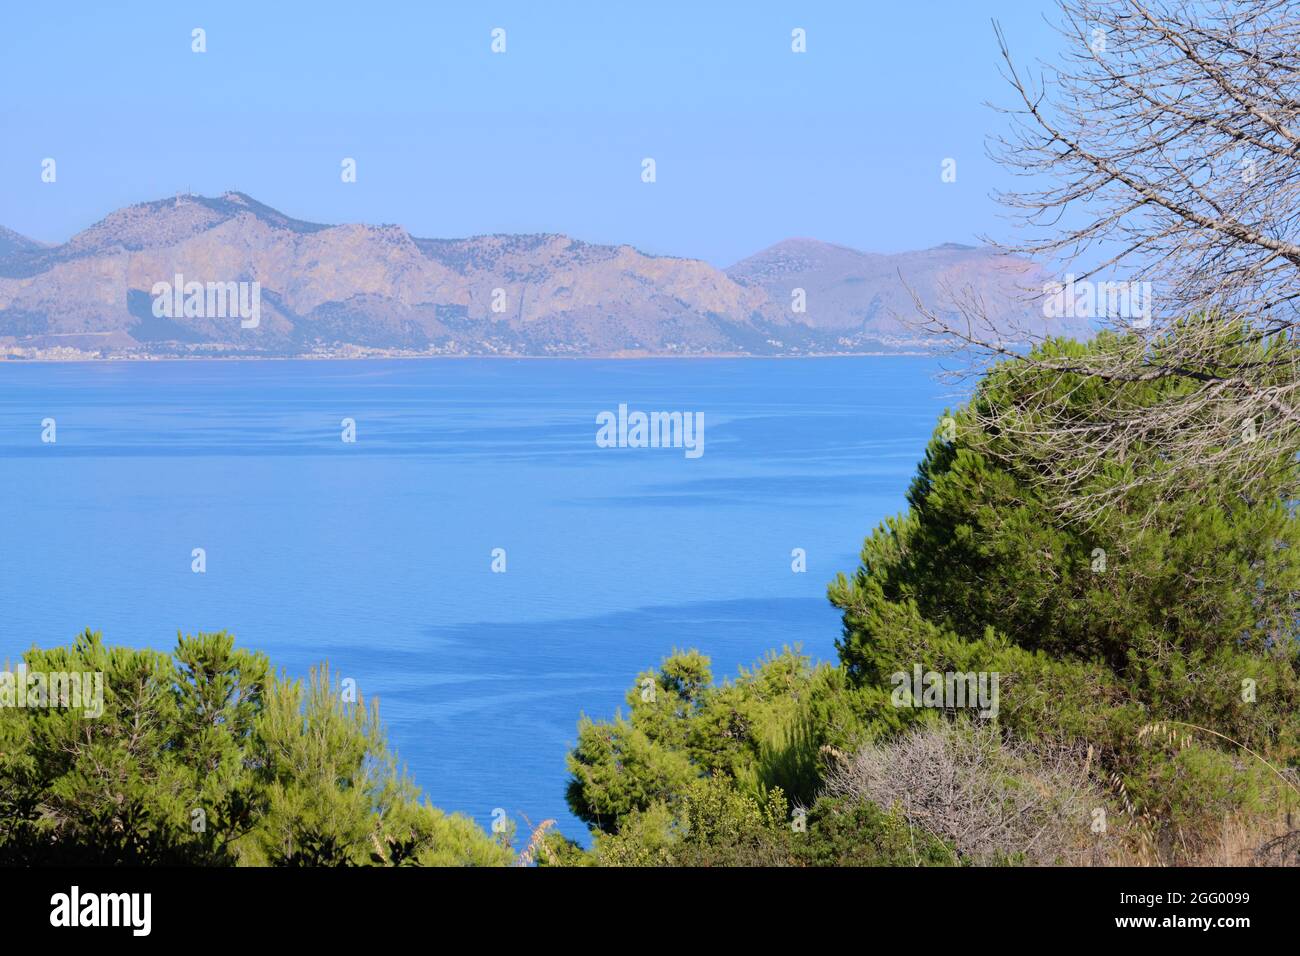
<point x="360" y="289"/>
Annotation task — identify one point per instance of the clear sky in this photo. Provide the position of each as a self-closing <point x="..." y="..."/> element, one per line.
<point x="752" y="143"/>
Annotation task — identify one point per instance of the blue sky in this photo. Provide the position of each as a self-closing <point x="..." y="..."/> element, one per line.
<point x="753" y="143"/>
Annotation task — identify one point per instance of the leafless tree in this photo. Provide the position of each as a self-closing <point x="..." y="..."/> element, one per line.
<point x="1162" y="148"/>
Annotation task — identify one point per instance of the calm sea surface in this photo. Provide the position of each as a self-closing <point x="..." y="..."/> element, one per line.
<point x="376" y="555"/>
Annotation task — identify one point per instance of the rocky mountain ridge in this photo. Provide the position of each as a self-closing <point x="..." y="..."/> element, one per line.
<point x="362" y="289"/>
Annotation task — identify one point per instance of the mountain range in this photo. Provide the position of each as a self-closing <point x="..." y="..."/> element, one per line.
<point x="360" y="289"/>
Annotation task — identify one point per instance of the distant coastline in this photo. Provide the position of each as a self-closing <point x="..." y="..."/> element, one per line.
<point x="231" y="277"/>
<point x="83" y="359"/>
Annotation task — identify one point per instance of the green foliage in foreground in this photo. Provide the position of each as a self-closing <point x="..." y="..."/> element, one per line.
<point x="205" y="757"/>
<point x="763" y="730"/>
<point x="1168" y="607"/>
<point x="718" y="825"/>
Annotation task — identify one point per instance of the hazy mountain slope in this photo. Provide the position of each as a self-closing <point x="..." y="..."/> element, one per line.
<point x="325" y="288"/>
<point x="866" y="295"/>
<point x="11" y="243"/>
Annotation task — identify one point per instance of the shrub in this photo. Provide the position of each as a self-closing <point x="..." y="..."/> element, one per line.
<point x="993" y="800"/>
<point x="205" y="757"/>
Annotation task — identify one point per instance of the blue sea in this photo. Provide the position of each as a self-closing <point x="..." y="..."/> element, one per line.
<point x="376" y="555"/>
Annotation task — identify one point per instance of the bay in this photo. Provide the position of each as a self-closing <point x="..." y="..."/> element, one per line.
<point x="376" y="555"/>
